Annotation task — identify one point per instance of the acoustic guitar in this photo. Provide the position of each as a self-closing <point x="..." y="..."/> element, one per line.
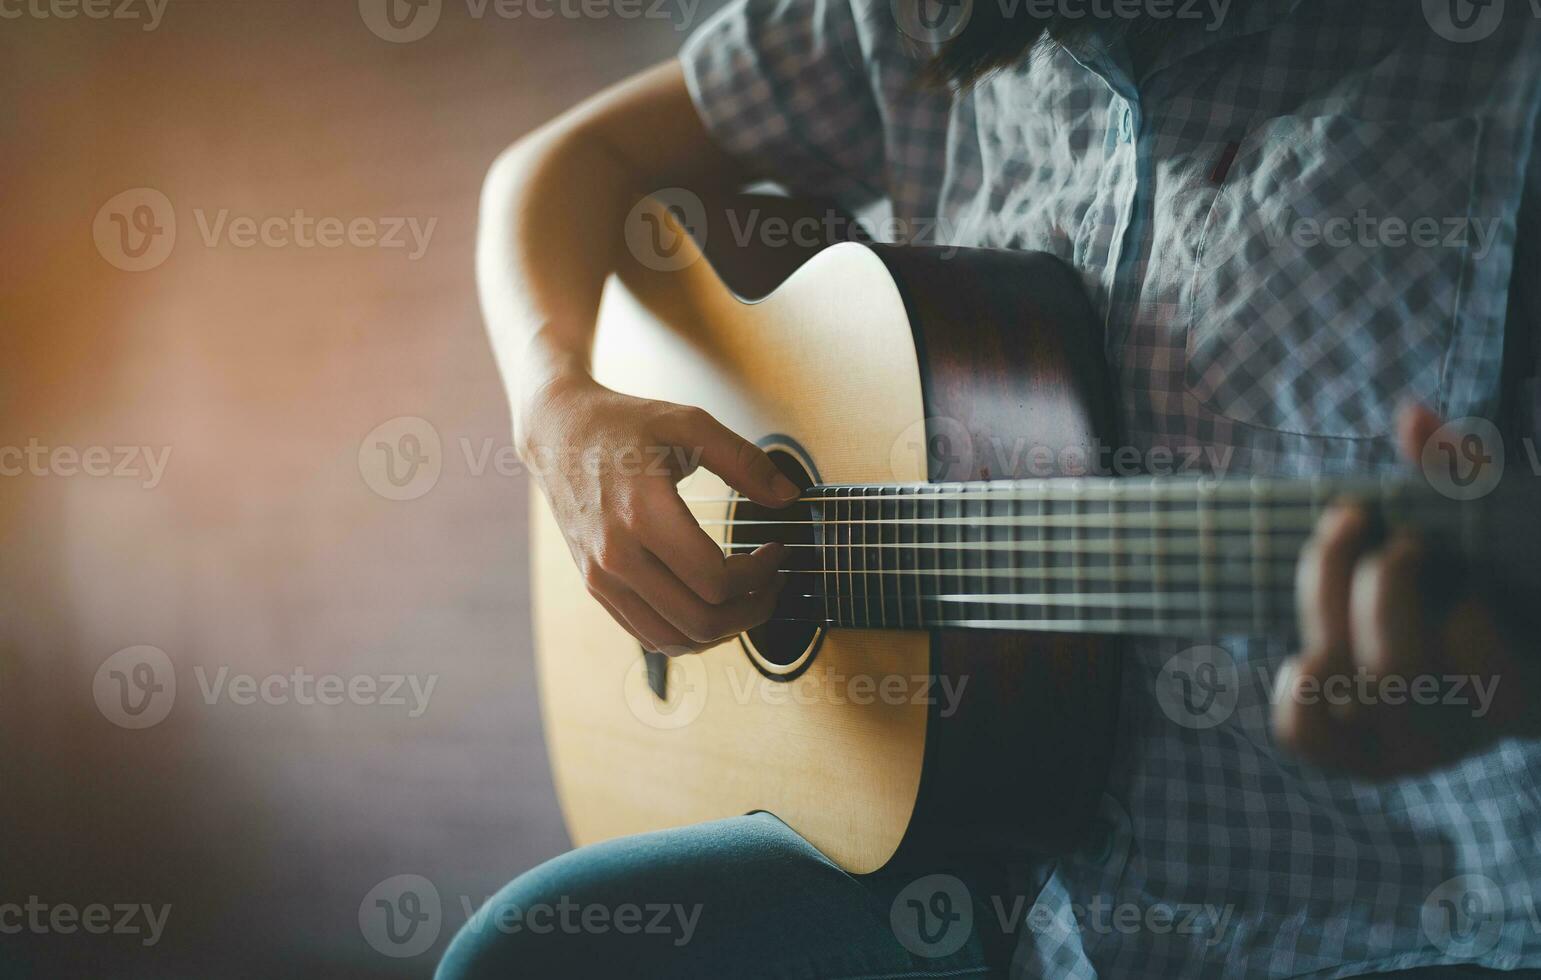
<point x="942" y="672"/>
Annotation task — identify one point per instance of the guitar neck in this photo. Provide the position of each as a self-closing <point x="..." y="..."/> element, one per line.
<point x="1167" y="556"/>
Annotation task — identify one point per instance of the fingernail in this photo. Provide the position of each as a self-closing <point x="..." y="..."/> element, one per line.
<point x="785" y="488"/>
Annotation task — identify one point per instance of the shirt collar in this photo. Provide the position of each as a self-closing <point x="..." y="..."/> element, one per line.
<point x="1234" y="19"/>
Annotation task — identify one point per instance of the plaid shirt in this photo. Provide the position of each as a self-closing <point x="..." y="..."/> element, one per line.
<point x="1242" y="210"/>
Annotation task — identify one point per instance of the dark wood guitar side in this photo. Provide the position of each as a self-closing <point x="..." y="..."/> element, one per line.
<point x="997" y="360"/>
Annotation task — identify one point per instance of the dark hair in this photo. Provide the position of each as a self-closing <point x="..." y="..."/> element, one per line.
<point x="1001" y="33"/>
<point x="993" y="38"/>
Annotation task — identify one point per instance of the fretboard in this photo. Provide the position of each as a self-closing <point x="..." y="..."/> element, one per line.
<point x="1174" y="556"/>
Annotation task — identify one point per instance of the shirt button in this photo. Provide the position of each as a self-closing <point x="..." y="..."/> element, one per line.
<point x="1126" y="125"/>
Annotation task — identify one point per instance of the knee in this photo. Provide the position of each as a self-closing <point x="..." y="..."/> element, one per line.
<point x="581" y="914"/>
<point x="520" y="931"/>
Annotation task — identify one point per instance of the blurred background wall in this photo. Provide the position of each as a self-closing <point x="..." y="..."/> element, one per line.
<point x="279" y="387"/>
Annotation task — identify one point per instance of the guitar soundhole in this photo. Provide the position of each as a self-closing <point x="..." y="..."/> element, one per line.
<point x="783" y="648"/>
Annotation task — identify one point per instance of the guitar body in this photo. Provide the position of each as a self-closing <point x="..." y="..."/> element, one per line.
<point x="870" y="365"/>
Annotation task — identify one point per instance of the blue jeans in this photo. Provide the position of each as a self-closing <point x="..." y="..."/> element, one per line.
<point x="745" y="897"/>
<point x="739" y="898"/>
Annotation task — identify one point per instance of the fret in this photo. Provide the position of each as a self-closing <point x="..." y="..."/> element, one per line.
<point x="914" y="560"/>
<point x="942" y="555"/>
<point x="820" y="515"/>
<point x="862" y="498"/>
<point x="939" y="555"/>
<point x="834" y="553"/>
<point x="876" y="550"/>
<point x="999" y="535"/>
<point x="1014" y="539"/>
<point x="1041" y="509"/>
<point x="1157" y="553"/>
<point x="973" y="559"/>
<point x="1077" y="561"/>
<point x="1206" y="556"/>
<point x="1261" y="583"/>
<point x="865" y="550"/>
<point x="1114" y="551"/>
<point x="848" y="533"/>
<point x="887" y="542"/>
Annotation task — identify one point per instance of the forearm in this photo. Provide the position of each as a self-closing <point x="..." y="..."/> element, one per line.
<point x="552" y="218"/>
<point x="551" y="214"/>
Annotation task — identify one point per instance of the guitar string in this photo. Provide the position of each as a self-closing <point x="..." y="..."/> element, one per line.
<point x="1026" y="547"/>
<point x="1091" y="522"/>
<point x="1160" y="627"/>
<point x="1107" y="600"/>
<point x="1129" y="574"/>
<point x="1133" y="491"/>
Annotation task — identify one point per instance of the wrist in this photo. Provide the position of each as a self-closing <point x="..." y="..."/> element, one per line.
<point x="545" y="379"/>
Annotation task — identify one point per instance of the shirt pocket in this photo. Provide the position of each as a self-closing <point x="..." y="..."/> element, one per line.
<point x="1329" y="271"/>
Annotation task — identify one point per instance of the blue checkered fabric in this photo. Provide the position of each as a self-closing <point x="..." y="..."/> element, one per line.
<point x="1294" y="217"/>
